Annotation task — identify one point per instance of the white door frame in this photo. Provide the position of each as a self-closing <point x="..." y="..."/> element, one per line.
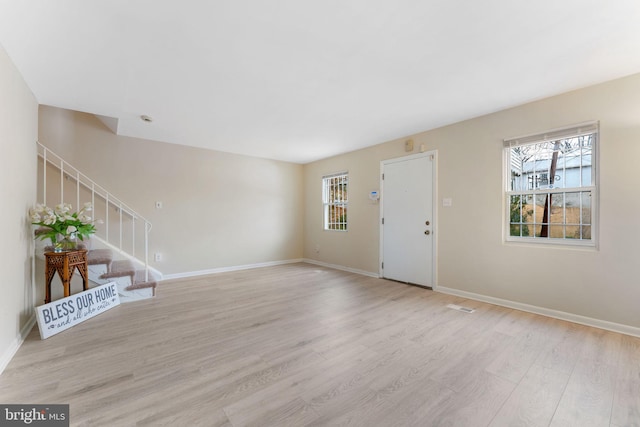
<point x="434" y="183"/>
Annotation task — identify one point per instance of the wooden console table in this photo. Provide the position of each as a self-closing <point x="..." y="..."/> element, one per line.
<point x="65" y="263"/>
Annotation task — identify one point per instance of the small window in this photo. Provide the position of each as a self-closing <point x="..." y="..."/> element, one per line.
<point x="334" y="200"/>
<point x="551" y="186"/>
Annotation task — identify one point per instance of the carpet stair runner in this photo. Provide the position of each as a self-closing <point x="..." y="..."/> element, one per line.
<point x="123" y="268"/>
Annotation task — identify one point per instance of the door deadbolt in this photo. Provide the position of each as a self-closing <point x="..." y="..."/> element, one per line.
<point x="427" y="223"/>
<point x="427" y="232"/>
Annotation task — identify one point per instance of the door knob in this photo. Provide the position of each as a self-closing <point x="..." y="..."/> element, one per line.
<point x="427" y="232"/>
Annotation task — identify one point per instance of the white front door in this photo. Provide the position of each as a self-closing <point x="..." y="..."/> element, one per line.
<point x="407" y="247"/>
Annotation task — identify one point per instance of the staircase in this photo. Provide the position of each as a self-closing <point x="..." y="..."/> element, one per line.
<point x="131" y="282"/>
<point x="114" y="253"/>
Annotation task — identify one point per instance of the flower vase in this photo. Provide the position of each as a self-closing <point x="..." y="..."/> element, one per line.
<point x="65" y="242"/>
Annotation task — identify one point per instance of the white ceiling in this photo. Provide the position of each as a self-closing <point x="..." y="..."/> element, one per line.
<point x="303" y="80"/>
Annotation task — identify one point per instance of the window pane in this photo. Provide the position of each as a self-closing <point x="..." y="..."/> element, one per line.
<point x="515" y="209"/>
<point x="515" y="230"/>
<point x="538" y="229"/>
<point x="586" y="142"/>
<point x="516" y="177"/>
<point x="586" y="232"/>
<point x="568" y="164"/>
<point x="529" y="230"/>
<point x="539" y="164"/>
<point x="557" y="208"/>
<point x="573" y="231"/>
<point x="556" y="231"/>
<point x="539" y="207"/>
<point x="527" y="215"/>
<point x="586" y="208"/>
<point x="572" y="208"/>
<point x="563" y="165"/>
<point x="569" y="159"/>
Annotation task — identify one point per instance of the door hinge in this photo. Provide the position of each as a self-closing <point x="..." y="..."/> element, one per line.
<point x="383" y="177"/>
<point x="382" y="221"/>
<point x="383" y="265"/>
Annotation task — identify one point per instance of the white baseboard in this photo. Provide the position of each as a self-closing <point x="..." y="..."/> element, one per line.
<point x="340" y="267"/>
<point x="17" y="342"/>
<point x="227" y="269"/>
<point x="570" y="317"/>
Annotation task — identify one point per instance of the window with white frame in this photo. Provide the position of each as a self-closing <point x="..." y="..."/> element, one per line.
<point x="551" y="186"/>
<point x="334" y="200"/>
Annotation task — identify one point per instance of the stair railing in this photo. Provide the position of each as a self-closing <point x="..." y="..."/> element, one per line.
<point x="98" y="193"/>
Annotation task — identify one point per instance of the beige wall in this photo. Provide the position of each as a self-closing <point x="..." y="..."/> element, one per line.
<point x="601" y="284"/>
<point x="219" y="210"/>
<point x="18" y="133"/>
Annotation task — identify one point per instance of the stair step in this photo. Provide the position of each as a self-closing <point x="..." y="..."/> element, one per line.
<point x="139" y="282"/>
<point x="100" y="256"/>
<point x="120" y="268"/>
<point x="123" y="268"/>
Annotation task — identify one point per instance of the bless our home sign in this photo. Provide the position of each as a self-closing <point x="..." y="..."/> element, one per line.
<point x="60" y="315"/>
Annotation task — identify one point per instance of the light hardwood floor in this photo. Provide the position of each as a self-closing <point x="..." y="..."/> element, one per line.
<point x="304" y="345"/>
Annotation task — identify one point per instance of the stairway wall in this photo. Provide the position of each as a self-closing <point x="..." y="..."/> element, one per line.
<point x="18" y="133"/>
<point x="219" y="209"/>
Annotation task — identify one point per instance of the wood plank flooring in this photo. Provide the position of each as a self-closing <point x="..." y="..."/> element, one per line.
<point x="299" y="345"/>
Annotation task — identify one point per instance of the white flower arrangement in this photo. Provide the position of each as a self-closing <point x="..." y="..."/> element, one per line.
<point x="61" y="223"/>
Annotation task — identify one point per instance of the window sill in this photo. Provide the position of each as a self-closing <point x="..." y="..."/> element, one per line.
<point x="549" y="243"/>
